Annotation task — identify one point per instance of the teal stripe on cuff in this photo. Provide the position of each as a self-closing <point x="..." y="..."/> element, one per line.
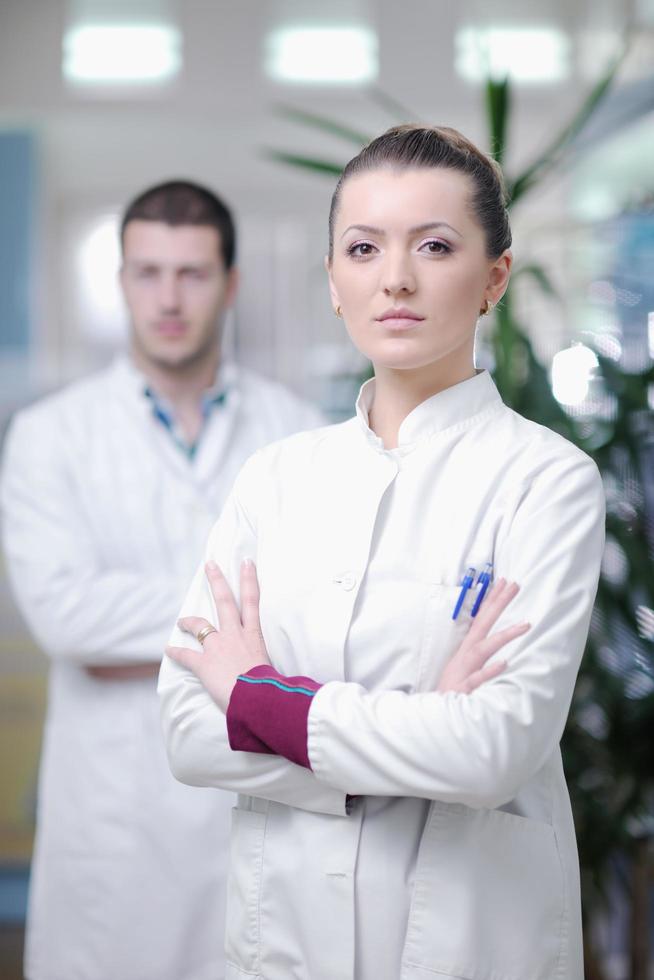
<point x="274" y="683"/>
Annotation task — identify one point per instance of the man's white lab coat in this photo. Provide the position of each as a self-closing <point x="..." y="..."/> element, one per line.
<point x="104" y="521"/>
<point x="457" y="857"/>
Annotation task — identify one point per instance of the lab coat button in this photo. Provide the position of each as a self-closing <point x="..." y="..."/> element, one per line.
<point x="348" y="581"/>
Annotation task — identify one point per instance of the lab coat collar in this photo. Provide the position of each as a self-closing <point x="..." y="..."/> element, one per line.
<point x="226" y="381"/>
<point x="457" y="405"/>
<point x="219" y="426"/>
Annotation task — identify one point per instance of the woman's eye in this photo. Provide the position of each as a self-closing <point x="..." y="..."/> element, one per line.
<point x="360" y="250"/>
<point x="435" y="247"/>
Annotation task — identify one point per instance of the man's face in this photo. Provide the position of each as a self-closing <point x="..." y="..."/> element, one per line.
<point x="176" y="288"/>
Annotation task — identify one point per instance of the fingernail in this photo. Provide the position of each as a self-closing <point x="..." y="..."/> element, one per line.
<point x="525" y="626"/>
<point x="247" y="562"/>
<point x="211" y="566"/>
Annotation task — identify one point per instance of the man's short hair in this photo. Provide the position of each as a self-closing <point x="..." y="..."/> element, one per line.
<point x="181" y="202"/>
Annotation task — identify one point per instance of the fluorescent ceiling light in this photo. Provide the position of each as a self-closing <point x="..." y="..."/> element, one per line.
<point x="119" y="54"/>
<point x="524" y="54"/>
<point x="328" y="55"/>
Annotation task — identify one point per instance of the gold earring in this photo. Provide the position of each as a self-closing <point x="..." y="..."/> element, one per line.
<point x="338" y="311"/>
<point x="487" y="308"/>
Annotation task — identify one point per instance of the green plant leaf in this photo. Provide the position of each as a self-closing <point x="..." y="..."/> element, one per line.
<point x="498" y="105"/>
<point x="550" y="157"/>
<point x="323" y="123"/>
<point x="399" y="112"/>
<point x="538" y="273"/>
<point x="305" y="163"/>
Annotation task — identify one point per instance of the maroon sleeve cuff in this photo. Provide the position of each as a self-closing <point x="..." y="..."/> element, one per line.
<point x="267" y="713"/>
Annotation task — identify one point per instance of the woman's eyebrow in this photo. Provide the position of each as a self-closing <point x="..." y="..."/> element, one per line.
<point x="427" y="226"/>
<point x="433" y="224"/>
<point x="367" y="229"/>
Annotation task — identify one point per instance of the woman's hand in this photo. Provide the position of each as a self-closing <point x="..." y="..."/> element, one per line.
<point x="236" y="647"/>
<point x="467" y="668"/>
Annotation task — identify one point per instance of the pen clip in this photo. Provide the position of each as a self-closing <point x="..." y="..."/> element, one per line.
<point x="483" y="581"/>
<point x="466" y="584"/>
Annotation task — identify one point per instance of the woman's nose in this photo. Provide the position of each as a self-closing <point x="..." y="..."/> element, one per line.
<point x="397" y="276"/>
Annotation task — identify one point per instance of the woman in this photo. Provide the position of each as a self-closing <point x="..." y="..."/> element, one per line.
<point x="402" y="807"/>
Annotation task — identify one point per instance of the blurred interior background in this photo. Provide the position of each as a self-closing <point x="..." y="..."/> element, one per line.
<point x="264" y="100"/>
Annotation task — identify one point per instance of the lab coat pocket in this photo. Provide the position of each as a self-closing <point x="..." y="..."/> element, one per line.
<point x="242" y="938"/>
<point x="442" y="635"/>
<point x="489" y="899"/>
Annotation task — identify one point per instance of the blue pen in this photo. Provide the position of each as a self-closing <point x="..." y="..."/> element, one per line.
<point x="484" y="581"/>
<point x="468" y="579"/>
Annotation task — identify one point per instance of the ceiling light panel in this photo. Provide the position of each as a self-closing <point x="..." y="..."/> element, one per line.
<point x="327" y="56"/>
<point x="531" y="55"/>
<point x="117" y="54"/>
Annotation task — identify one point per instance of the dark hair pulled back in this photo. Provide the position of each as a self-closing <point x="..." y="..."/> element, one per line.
<point x="413" y="146"/>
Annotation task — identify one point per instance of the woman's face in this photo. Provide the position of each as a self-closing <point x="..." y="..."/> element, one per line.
<point x="409" y="268"/>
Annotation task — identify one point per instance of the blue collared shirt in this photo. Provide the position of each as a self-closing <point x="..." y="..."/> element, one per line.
<point x="163" y="412"/>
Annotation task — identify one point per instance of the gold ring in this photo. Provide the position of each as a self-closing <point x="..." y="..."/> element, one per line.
<point x="204" y="633"/>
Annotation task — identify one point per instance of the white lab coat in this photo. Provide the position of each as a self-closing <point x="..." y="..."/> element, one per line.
<point x="104" y="521"/>
<point x="458" y="857"/>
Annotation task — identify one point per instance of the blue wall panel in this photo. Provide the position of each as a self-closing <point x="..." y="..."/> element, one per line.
<point x="17" y="207"/>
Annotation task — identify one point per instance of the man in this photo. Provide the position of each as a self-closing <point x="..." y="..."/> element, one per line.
<point x="108" y="491"/>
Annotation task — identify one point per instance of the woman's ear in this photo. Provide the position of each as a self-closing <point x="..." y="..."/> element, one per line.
<point x="333" y="292"/>
<point x="499" y="275"/>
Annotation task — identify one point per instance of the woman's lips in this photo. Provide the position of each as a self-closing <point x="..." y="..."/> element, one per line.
<point x="400" y="321"/>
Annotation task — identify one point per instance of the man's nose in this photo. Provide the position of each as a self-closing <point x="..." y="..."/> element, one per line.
<point x="169" y="292"/>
